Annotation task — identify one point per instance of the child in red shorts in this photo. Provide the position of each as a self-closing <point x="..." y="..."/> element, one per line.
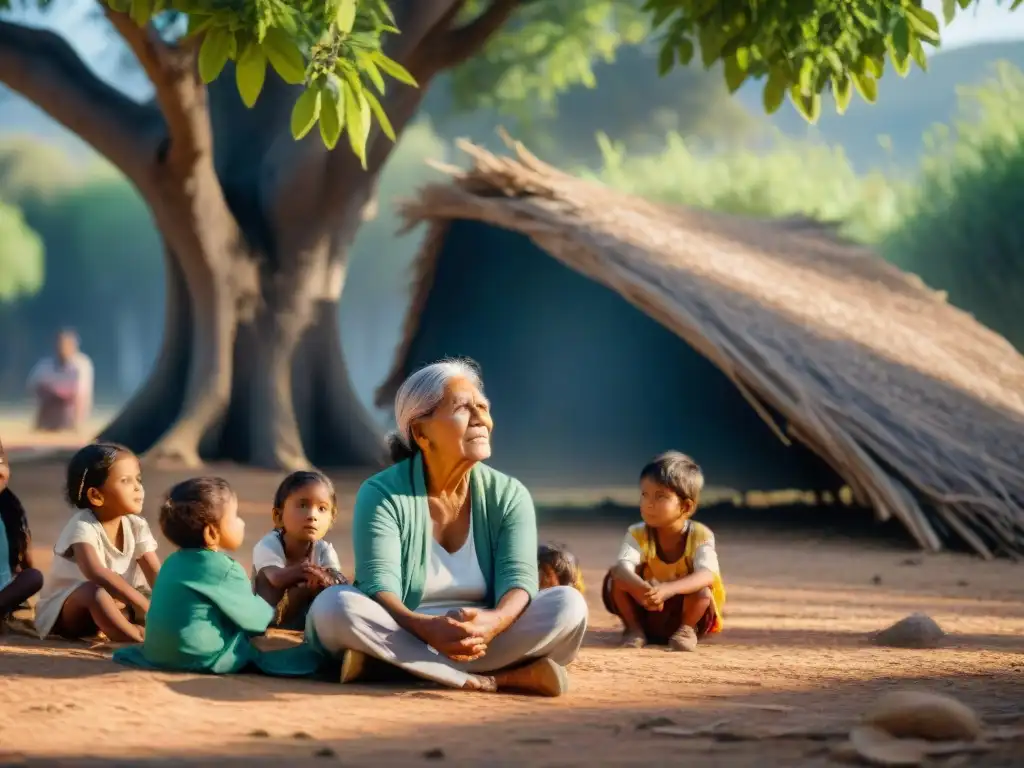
<point x="666" y="586"/>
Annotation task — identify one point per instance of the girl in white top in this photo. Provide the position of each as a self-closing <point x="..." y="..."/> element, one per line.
<point x="292" y="564"/>
<point x="105" y="559"/>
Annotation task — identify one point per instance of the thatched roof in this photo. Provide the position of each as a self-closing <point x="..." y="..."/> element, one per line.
<point x="915" y="404"/>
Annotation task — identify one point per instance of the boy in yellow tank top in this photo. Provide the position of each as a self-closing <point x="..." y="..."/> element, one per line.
<point x="666" y="586"/>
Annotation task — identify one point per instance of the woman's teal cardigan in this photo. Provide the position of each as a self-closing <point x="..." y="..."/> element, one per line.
<point x="391" y="532"/>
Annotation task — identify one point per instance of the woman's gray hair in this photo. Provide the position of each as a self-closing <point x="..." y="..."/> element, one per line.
<point x="420" y="394"/>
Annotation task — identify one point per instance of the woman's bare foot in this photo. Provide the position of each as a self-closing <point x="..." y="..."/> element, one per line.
<point x="632" y="639"/>
<point x="480" y="683"/>
<point x="542" y="678"/>
<point x="353" y="665"/>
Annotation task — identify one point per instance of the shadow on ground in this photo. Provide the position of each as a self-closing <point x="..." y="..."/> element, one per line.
<point x="778" y="728"/>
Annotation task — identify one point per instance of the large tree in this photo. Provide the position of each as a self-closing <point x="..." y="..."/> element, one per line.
<point x="256" y="224"/>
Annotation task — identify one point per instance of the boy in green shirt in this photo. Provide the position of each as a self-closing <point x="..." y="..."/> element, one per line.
<point x="203" y="611"/>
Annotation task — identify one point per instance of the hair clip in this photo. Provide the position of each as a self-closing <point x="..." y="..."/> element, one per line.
<point x="81" y="485"/>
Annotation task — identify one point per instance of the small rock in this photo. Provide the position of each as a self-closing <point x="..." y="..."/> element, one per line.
<point x="259" y="733"/>
<point x="876" y="579"/>
<point x="536" y="741"/>
<point x="912" y="561"/>
<point x="915" y="631"/>
<point x="301" y="735"/>
<point x="434" y="754"/>
<point x="963" y="583"/>
<point x="325" y="752"/>
<point x="924" y="715"/>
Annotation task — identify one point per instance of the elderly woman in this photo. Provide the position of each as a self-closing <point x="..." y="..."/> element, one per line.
<point x="446" y="557"/>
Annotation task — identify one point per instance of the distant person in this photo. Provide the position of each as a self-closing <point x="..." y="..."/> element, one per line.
<point x="294" y="563"/>
<point x="18" y="579"/>
<point x="666" y="586"/>
<point x="63" y="386"/>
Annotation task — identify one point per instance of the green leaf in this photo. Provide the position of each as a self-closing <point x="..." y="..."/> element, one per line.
<point x="918" y="54"/>
<point x="141" y="12"/>
<point x="841" y="92"/>
<point x="807" y="72"/>
<point x="251" y="73"/>
<point x="215" y="52"/>
<point x="900" y="39"/>
<point x="366" y="62"/>
<point x="923" y="23"/>
<point x="808" y="105"/>
<point x="120" y="6"/>
<point x="949" y="10"/>
<point x="382" y="117"/>
<point x="354" y="117"/>
<point x="332" y="115"/>
<point x="306" y="112"/>
<point x="684" y="51"/>
<point x="393" y="68"/>
<point x="774" y="91"/>
<point x="284" y="56"/>
<point x="866" y="86"/>
<point x="666" y="59"/>
<point x="346" y="15"/>
<point x="735" y="75"/>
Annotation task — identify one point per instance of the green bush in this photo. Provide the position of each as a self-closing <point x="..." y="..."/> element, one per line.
<point x="21" y="256"/>
<point x="785" y="179"/>
<point x="961" y="229"/>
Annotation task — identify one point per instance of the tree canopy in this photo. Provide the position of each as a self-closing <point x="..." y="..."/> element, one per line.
<point x="799" y="48"/>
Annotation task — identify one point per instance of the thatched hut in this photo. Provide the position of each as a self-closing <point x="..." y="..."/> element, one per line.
<point x="609" y="328"/>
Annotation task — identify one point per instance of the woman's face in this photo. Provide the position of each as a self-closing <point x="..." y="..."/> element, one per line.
<point x="460" y="426"/>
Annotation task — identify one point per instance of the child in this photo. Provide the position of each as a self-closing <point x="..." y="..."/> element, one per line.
<point x="666" y="586"/>
<point x="18" y="579"/>
<point x="204" y="612"/>
<point x="292" y="564"/>
<point x="105" y="559"/>
<point x="557" y="566"/>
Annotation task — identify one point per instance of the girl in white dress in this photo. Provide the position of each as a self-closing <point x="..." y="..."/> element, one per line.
<point x="105" y="560"/>
<point x="294" y="563"/>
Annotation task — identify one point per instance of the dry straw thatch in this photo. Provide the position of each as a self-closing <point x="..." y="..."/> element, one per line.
<point x="915" y="404"/>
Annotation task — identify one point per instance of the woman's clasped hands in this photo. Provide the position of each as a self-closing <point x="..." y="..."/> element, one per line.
<point x="463" y="634"/>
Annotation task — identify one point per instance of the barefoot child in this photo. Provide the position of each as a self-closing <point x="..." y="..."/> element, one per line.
<point x="558" y="567"/>
<point x="204" y="612"/>
<point x="18" y="579"/>
<point x="105" y="559"/>
<point x="666" y="586"/>
<point x="292" y="564"/>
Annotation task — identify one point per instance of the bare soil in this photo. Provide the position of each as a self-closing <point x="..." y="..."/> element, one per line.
<point x="804" y="591"/>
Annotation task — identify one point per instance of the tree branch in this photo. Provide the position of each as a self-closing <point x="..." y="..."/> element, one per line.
<point x="180" y="92"/>
<point x="465" y="41"/>
<point x="42" y="67"/>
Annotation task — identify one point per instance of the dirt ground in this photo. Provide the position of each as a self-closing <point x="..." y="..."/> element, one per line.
<point x="804" y="589"/>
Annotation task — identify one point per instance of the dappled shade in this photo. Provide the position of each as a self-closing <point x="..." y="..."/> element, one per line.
<point x="913" y="403"/>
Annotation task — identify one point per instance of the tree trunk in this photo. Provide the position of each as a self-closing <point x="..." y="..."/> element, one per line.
<point x="257" y="380"/>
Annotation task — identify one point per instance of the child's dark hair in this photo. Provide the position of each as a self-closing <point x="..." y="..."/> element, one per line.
<point x="562" y="563"/>
<point x="190" y="506"/>
<point x="89" y="468"/>
<point x="15" y="522"/>
<point x="301" y="479"/>
<point x="677" y="471"/>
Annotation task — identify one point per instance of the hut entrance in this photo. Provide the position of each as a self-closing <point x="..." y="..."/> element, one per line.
<point x="585" y="386"/>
